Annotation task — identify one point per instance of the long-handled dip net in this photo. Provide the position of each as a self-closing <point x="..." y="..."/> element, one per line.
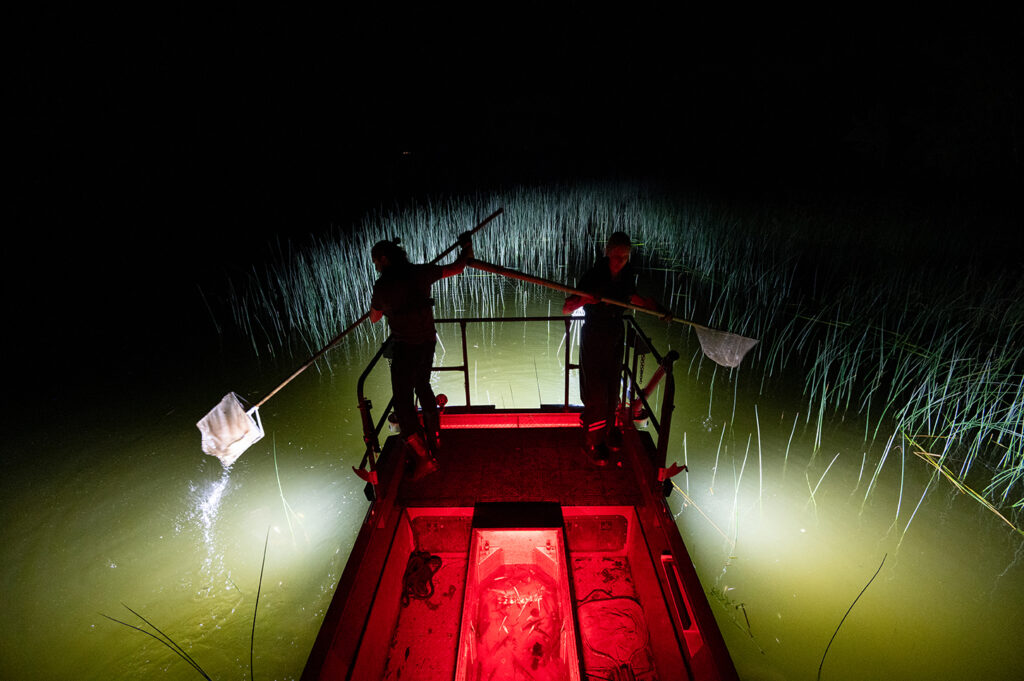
<point x="229" y="429"/>
<point x="721" y="347"/>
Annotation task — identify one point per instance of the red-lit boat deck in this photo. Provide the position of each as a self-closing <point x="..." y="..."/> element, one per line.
<point x="632" y="593"/>
<point x="521" y="464"/>
<point x="520" y="558"/>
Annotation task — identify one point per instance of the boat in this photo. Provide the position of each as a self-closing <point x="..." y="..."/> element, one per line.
<point x="520" y="558"/>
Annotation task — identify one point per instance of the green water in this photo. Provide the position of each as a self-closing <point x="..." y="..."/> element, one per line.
<point x="782" y="569"/>
<point x="112" y="502"/>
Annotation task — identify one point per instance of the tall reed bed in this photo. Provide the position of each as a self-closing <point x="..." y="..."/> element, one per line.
<point x="917" y="337"/>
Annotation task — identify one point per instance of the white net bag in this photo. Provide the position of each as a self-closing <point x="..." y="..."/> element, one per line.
<point x="228" y="430"/>
<point x="723" y="348"/>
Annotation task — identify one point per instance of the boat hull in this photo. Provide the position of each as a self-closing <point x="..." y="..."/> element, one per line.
<point x="418" y="592"/>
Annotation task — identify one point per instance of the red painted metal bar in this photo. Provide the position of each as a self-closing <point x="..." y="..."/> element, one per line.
<point x="508" y="418"/>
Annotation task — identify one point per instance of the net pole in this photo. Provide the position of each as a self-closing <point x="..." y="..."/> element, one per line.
<point x="337" y="339"/>
<point x="730" y="359"/>
<point x="513" y="274"/>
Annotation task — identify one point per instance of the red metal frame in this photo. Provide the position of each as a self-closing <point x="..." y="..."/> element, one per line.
<point x="455" y="419"/>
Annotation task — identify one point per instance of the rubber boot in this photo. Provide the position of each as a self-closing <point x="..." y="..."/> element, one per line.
<point x="596" y="448"/>
<point x="423" y="463"/>
<point x="432" y="428"/>
<point x="613" y="437"/>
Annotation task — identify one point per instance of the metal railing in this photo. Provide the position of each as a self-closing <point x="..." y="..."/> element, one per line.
<point x="464" y="367"/>
<point x="637" y="345"/>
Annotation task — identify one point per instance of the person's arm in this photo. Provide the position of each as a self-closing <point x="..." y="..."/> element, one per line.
<point x="376" y="305"/>
<point x="575" y="302"/>
<point x="465" y="255"/>
<point x="652" y="304"/>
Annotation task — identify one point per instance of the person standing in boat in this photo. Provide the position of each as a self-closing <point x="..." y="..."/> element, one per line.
<point x="402" y="294"/>
<point x="601" y="341"/>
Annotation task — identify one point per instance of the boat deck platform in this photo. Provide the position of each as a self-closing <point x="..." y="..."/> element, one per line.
<point x="479" y="465"/>
<point x="423" y="598"/>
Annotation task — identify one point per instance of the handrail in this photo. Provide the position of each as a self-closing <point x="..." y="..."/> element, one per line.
<point x="462" y="321"/>
<point x="371" y="431"/>
<point x="663" y="425"/>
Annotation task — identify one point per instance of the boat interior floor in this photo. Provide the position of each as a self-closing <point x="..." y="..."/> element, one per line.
<point x="523" y="464"/>
<point x="612" y="624"/>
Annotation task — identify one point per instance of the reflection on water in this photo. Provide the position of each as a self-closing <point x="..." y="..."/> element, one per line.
<point x="205" y="510"/>
<point x="127" y="509"/>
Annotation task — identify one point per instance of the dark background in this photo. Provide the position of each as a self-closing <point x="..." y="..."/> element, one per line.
<point x="156" y="151"/>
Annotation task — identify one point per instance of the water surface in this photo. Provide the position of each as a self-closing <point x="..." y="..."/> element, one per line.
<point x="109" y="502"/>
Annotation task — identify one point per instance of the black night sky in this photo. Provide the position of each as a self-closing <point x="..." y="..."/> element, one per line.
<point x="160" y="149"/>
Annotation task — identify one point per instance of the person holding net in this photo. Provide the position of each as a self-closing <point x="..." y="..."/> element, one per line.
<point x="601" y="341"/>
<point x="402" y="294"/>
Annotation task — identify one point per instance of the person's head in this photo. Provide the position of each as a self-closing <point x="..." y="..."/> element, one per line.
<point x="618" y="249"/>
<point x="387" y="253"/>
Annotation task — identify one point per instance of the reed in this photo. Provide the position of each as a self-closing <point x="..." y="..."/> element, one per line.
<point x="899" y="501"/>
<point x="848" y="610"/>
<point x="760" y="465"/>
<point x="736" y="495"/>
<point x="870" y="331"/>
<point x="815" y="490"/>
<point x="686" y="463"/>
<point x="255" y="610"/>
<point x="163" y="638"/>
<point x="860" y="474"/>
<point x="914" y="512"/>
<point x="718" y="451"/>
<point x="691" y="502"/>
<point x="711" y="388"/>
<point x="785" y="460"/>
<point x="284" y="502"/>
<point x="812" y="500"/>
<point x="173" y="646"/>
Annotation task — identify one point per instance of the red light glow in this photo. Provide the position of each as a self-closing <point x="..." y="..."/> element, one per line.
<point x="517" y="619"/>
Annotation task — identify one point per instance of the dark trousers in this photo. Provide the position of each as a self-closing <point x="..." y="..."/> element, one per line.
<point x="600" y="370"/>
<point x="410" y="373"/>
